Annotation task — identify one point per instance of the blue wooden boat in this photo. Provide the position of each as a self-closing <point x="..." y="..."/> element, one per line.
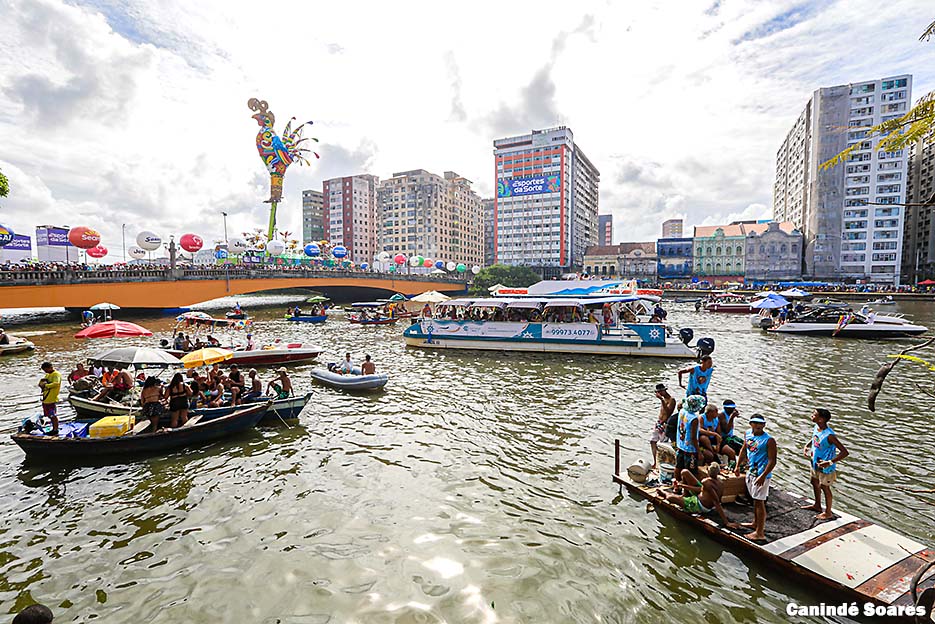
<point x="91" y="450"/>
<point x="308" y="319"/>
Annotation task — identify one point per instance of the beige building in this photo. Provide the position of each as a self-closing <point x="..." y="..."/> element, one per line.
<point x="774" y="252"/>
<point x="672" y="228"/>
<point x="438" y="217"/>
<point x="350" y="219"/>
<point x="626" y="260"/>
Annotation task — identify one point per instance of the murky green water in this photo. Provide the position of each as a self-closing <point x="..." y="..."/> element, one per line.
<point x="475" y="489"/>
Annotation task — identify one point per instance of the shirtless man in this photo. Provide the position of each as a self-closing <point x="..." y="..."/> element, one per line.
<point x="666" y="408"/>
<point x="282" y="385"/>
<point x="704" y="497"/>
<point x="368" y="367"/>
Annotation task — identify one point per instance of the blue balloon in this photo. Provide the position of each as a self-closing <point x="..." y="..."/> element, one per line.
<point x="220" y="254"/>
<point x="439" y="264"/>
<point x="364" y="266"/>
<point x="312" y="250"/>
<point x="339" y="252"/>
<point x="6" y="236"/>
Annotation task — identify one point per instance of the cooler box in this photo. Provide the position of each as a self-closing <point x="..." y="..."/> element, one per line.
<point x="111" y="426"/>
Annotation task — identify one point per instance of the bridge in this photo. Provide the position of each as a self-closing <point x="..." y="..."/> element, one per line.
<point x="153" y="288"/>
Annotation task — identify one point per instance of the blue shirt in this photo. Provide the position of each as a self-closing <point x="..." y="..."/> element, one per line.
<point x="686" y="442"/>
<point x="728" y="424"/>
<point x="757" y="452"/>
<point x="710" y="425"/>
<point x="822" y="448"/>
<point x="698" y="381"/>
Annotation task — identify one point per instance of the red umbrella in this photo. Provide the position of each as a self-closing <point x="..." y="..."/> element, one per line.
<point x="113" y="329"/>
<point x="927" y="282"/>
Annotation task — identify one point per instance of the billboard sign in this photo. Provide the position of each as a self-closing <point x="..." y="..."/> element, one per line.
<point x="49" y="236"/>
<point x="534" y="185"/>
<point x="17" y="250"/>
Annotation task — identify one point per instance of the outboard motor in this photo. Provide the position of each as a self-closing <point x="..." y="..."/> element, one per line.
<point x="705" y="346"/>
<point x="685" y="335"/>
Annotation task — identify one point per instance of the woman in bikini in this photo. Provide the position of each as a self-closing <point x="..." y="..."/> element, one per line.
<point x="179" y="394"/>
<point x="151" y="399"/>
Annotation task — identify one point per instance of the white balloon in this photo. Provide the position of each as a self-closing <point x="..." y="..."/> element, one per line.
<point x="414" y="261"/>
<point x="237" y="246"/>
<point x="475" y="269"/>
<point x="137" y="253"/>
<point x="275" y="247"/>
<point x="148" y="240"/>
<point x="451" y="266"/>
<point x="383" y="256"/>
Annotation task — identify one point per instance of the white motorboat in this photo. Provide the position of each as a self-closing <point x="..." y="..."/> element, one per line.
<point x="16" y="345"/>
<point x="837" y="323"/>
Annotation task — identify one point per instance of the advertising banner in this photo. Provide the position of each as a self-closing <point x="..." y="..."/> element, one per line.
<point x="52" y="245"/>
<point x="534" y="185"/>
<point x="17" y="250"/>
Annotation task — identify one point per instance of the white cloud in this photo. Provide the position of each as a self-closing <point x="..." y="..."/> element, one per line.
<point x="135" y="112"/>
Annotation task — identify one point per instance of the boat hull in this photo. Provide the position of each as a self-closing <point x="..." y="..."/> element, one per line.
<point x="16" y="347"/>
<point x="308" y="319"/>
<point x="352" y="383"/>
<point x="389" y="321"/>
<point x="729" y="308"/>
<point x="882" y="330"/>
<point x="671" y="350"/>
<point x="51" y="449"/>
<point x="271" y="357"/>
<point x="87" y="410"/>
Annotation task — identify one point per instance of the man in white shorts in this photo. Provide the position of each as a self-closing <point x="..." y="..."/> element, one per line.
<point x="759" y="451"/>
<point x="666" y="408"/>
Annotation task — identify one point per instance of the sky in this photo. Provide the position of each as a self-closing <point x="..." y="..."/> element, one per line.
<point x="132" y="113"/>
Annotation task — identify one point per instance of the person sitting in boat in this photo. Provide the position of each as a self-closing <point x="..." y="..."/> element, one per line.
<point x="727" y="417"/>
<point x="660" y="313"/>
<point x="116" y="385"/>
<point x="213" y="342"/>
<point x="178" y="341"/>
<point x="699" y="377"/>
<point x="214" y="373"/>
<point x="704" y="497"/>
<point x="237" y="380"/>
<point x="237" y="309"/>
<point x="712" y="438"/>
<point x="151" y="399"/>
<point x="368" y="367"/>
<point x="346" y="367"/>
<point x="250" y="345"/>
<point x="535" y="316"/>
<point x="79" y="373"/>
<point x="281" y="386"/>
<point x="256" y="386"/>
<point x="4" y="337"/>
<point x="198" y="344"/>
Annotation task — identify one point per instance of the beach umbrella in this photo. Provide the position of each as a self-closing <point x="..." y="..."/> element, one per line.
<point x="140" y="357"/>
<point x="770" y="303"/>
<point x="796" y="293"/>
<point x="927" y="282"/>
<point x="113" y="329"/>
<point x="206" y="357"/>
<point x="430" y="296"/>
<point x="197" y="316"/>
<point x="317" y="299"/>
<point x="398" y="297"/>
<point x="104" y="306"/>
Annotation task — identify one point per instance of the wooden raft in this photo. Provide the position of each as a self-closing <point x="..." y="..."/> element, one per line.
<point x="856" y="558"/>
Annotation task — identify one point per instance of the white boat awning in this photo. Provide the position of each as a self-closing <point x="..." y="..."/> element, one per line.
<point x="489" y="303"/>
<point x="458" y="302"/>
<point x="526" y="303"/>
<point x="563" y="303"/>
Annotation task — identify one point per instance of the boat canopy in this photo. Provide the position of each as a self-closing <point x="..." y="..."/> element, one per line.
<point x="564" y="303"/>
<point x="369" y="304"/>
<point x="490" y="303"/>
<point x="618" y="299"/>
<point x="458" y="302"/>
<point x="528" y="304"/>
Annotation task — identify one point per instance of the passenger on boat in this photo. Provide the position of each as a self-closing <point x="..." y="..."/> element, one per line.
<point x="4" y="338"/>
<point x="608" y="317"/>
<point x="213" y="342"/>
<point x="236" y="378"/>
<point x="281" y="385"/>
<point x="346" y="367"/>
<point x="660" y="313"/>
<point x="368" y="367"/>
<point x="179" y="395"/>
<point x="426" y="311"/>
<point x="296" y="311"/>
<point x="759" y="451"/>
<point x="151" y="399"/>
<point x="666" y="408"/>
<point x="116" y="386"/>
<point x="214" y="372"/>
<point x="699" y="377"/>
<point x="727" y="416"/>
<point x="687" y="437"/>
<point x="712" y="436"/>
<point x="250" y="346"/>
<point x="705" y="495"/>
<point x="178" y="342"/>
<point x="187" y="343"/>
<point x="50" y="384"/>
<point x="79" y="373"/>
<point x="256" y="386"/>
<point x="825" y="450"/>
<point x="108" y="377"/>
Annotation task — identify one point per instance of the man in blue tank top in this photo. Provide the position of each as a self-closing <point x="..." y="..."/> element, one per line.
<point x="759" y="452"/>
<point x="699" y="376"/>
<point x="686" y="438"/>
<point x="825" y="450"/>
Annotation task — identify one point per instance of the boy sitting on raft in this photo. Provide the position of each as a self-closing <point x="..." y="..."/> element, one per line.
<point x="705" y="496"/>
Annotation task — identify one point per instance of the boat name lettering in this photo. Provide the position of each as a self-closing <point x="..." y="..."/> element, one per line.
<point x="852" y="609"/>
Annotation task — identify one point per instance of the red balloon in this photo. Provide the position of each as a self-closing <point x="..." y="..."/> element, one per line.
<point x="191" y="242"/>
<point x="399" y="259"/>
<point x="83" y="237"/>
<point x="428" y="263"/>
<point x="97" y="252"/>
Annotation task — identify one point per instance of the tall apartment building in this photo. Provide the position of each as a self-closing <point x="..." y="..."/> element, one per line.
<point x="313" y="222"/>
<point x="489" y="249"/>
<point x="849" y="215"/>
<point x="605" y="230"/>
<point x="350" y="214"/>
<point x="547" y="200"/>
<point x="672" y="228"/>
<point x="919" y="235"/>
<point x="438" y="217"/>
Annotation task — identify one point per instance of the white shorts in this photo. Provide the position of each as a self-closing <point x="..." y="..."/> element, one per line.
<point x="757" y="492"/>
<point x="658" y="436"/>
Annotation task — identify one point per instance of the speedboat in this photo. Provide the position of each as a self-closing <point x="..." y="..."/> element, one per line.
<point x="728" y="302"/>
<point x="887" y="301"/>
<point x="16" y="345"/>
<point x="834" y="322"/>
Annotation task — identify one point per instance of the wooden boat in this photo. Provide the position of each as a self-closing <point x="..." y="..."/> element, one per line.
<point x="197" y="433"/>
<point x="16" y="345"/>
<point x="353" y="382"/>
<point x="728" y="302"/>
<point x="857" y="559"/>
<point x="356" y="320"/>
<point x="308" y="319"/>
<point x="236" y="316"/>
<point x="87" y="410"/>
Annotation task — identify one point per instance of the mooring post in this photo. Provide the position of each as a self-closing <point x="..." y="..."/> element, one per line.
<point x="616" y="457"/>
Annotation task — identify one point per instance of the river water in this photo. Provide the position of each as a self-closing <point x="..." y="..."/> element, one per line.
<point x="477" y="488"/>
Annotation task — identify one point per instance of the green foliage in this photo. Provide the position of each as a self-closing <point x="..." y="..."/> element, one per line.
<point x="4" y="185"/>
<point x="513" y="276"/>
<point x="895" y="134"/>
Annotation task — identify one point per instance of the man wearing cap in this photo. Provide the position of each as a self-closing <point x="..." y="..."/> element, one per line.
<point x="759" y="451"/>
<point x="699" y="376"/>
<point x="250" y="345"/>
<point x="826" y="451"/>
<point x="687" y="438"/>
<point x="727" y="417"/>
<point x="666" y="408"/>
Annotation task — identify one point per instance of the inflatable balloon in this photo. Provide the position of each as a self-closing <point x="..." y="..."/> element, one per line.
<point x="392" y="268"/>
<point x="97" y="252"/>
<point x="191" y="242"/>
<point x="83" y="237"/>
<point x="440" y="264"/>
<point x="364" y="266"/>
<point x="383" y="257"/>
<point x="399" y="259"/>
<point x="237" y="246"/>
<point x="6" y="236"/>
<point x="339" y="252"/>
<point x="137" y="253"/>
<point x="148" y="241"/>
<point x="475" y="269"/>
<point x="220" y="254"/>
<point x="427" y="263"/>
<point x="275" y="247"/>
<point x="312" y="250"/>
<point x="451" y="266"/>
<point x="415" y="261"/>
<point x="259" y="246"/>
<point x="461" y="268"/>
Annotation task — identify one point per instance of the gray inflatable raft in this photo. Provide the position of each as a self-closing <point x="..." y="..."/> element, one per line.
<point x="355" y="381"/>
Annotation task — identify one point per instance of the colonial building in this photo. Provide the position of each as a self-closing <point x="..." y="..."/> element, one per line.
<point x="675" y="258"/>
<point x="774" y="252"/>
<point x="626" y="260"/>
<point x="719" y="251"/>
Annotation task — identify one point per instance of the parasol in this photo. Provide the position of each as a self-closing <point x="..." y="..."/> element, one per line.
<point x="140" y="357"/>
<point x="430" y="296"/>
<point x="194" y="316"/>
<point x="795" y="293"/>
<point x="317" y="299"/>
<point x="104" y="306"/>
<point x="113" y="329"/>
<point x="206" y="357"/>
<point x="770" y="303"/>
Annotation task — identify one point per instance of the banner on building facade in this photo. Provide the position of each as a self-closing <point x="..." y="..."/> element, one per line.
<point x="529" y="186"/>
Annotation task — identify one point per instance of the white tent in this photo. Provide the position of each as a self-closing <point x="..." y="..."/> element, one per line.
<point x="430" y="296"/>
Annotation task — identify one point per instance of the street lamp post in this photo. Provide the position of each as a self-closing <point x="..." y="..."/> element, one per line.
<point x="123" y="236"/>
<point x="224" y="214"/>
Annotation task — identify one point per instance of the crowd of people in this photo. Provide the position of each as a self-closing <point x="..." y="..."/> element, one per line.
<point x="704" y="434"/>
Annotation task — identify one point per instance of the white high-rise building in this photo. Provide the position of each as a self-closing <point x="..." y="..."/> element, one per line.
<point x="850" y="214"/>
<point x="547" y="199"/>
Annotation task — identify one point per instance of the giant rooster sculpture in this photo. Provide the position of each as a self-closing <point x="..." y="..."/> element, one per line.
<point x="277" y="153"/>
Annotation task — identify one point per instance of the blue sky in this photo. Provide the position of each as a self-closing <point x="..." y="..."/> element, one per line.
<point x="134" y="112"/>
